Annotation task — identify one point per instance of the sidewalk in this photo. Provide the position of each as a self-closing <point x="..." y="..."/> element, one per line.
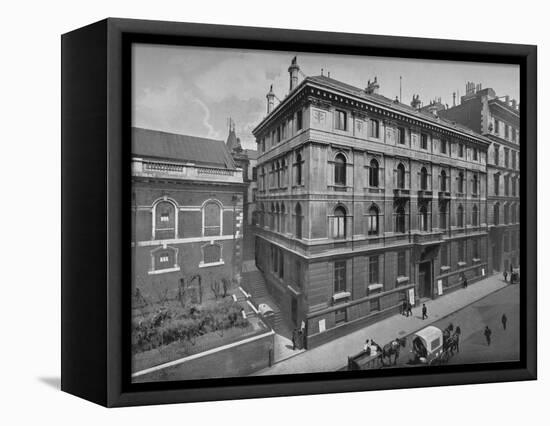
<point x="333" y="355"/>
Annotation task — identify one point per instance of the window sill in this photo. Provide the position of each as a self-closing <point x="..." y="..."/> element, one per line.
<point x="375" y="287"/>
<point x="164" y="271"/>
<point x="445" y="268"/>
<point x="207" y="265"/>
<point x="476" y="260"/>
<point x="461" y="264"/>
<point x="402" y="280"/>
<point x="342" y="295"/>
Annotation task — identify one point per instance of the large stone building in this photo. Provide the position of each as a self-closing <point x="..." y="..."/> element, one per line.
<point x="364" y="202"/>
<point x="187" y="207"/>
<point x="497" y="118"/>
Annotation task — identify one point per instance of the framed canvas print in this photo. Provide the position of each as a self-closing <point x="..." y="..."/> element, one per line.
<point x="252" y="212"/>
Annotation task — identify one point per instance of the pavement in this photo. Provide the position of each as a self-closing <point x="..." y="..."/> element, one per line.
<point x="333" y="355"/>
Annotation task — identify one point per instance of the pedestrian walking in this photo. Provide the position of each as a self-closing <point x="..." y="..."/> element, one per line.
<point x="457" y="338"/>
<point x="409" y="309"/>
<point x="487" y="332"/>
<point x="504" y="320"/>
<point x="294" y="338"/>
<point x="464" y="282"/>
<point x="505" y="275"/>
<point x="424" y="311"/>
<point x="404" y="307"/>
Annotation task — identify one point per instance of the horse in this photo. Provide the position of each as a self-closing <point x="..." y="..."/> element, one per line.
<point x="392" y="349"/>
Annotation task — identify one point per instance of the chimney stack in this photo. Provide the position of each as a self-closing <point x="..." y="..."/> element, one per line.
<point x="514" y="104"/>
<point x="416" y="103"/>
<point x="454" y="99"/>
<point x="270" y="100"/>
<point x="293" y="70"/>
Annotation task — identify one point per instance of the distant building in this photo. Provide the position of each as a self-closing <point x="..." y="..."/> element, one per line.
<point x="497" y="118"/>
<point x="364" y="202"/>
<point x="187" y="205"/>
<point x="246" y="160"/>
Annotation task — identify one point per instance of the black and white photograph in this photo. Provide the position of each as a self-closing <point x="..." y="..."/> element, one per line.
<point x="296" y="212"/>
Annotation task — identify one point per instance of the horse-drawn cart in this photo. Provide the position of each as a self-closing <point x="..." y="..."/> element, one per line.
<point x="434" y="347"/>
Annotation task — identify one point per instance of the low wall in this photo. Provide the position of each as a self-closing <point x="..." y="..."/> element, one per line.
<point x="236" y="359"/>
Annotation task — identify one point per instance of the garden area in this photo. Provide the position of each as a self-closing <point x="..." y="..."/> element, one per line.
<point x="189" y="318"/>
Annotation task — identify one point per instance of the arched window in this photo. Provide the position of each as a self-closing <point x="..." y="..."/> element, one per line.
<point x="443" y="182"/>
<point x="212" y="219"/>
<point x="261" y="213"/>
<point x="283" y="219"/>
<point x="475" y="184"/>
<point x="283" y="173"/>
<point x="401" y="176"/>
<point x="339" y="223"/>
<point x="443" y="217"/>
<point x="423" y="178"/>
<point x="461" y="182"/>
<point x="475" y="216"/>
<point x="340" y="170"/>
<point x="277" y="218"/>
<point x="424" y="218"/>
<point x="278" y="171"/>
<point x="298" y="169"/>
<point x="164" y="259"/>
<point x="400" y="219"/>
<point x="273" y="180"/>
<point x="460" y="216"/>
<point x="372" y="221"/>
<point x="211" y="253"/>
<point x="514" y="213"/>
<point x="298" y="220"/>
<point x="272" y="217"/>
<point x="496" y="214"/>
<point x="373" y="174"/>
<point x="164" y="220"/>
<point x="506" y="213"/>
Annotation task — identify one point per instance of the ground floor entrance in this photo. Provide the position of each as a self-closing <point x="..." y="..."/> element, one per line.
<point x="425" y="279"/>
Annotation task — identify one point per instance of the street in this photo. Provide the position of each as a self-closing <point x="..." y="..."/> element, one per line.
<point x="472" y="321"/>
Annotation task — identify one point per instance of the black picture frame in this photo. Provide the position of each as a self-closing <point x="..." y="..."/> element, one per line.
<point x="96" y="196"/>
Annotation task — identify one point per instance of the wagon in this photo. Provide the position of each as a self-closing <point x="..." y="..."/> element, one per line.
<point x="428" y="347"/>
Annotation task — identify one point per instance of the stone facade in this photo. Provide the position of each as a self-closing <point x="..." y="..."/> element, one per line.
<point x="362" y="203"/>
<point x="497" y="118"/>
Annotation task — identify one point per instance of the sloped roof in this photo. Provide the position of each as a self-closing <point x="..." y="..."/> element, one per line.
<point x="390" y="103"/>
<point x="174" y="147"/>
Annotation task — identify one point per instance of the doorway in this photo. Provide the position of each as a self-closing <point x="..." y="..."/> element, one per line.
<point x="294" y="310"/>
<point x="425" y="279"/>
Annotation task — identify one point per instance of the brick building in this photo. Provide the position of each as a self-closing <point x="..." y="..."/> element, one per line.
<point x="363" y="202"/>
<point x="497" y="118"/>
<point x="187" y="207"/>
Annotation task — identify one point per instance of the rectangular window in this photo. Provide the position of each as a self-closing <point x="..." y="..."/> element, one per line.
<point x="283" y="131"/>
<point x="339" y="227"/>
<point x="497" y="183"/>
<point x="497" y="155"/>
<point x="341" y="120"/>
<point x="340" y="315"/>
<point x="402" y="264"/>
<point x="254" y="173"/>
<point x="513" y="159"/>
<point x="506" y="131"/>
<point x="506" y="157"/>
<point x="424" y="141"/>
<point x="506" y="185"/>
<point x="374" y="277"/>
<point x="461" y="150"/>
<point x="475" y="249"/>
<point x="339" y="276"/>
<point x="299" y="120"/>
<point x="497" y="125"/>
<point x="475" y="154"/>
<point x="444" y="255"/>
<point x="443" y="146"/>
<point x="401" y="135"/>
<point x="375" y="129"/>
<point x="461" y="251"/>
<point x="514" y="134"/>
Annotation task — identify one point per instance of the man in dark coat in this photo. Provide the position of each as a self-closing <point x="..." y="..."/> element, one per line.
<point x="464" y="281"/>
<point x="505" y="275"/>
<point x="424" y="311"/>
<point x="294" y="338"/>
<point x="504" y="320"/>
<point x="404" y="307"/>
<point x="487" y="332"/>
<point x="409" y="309"/>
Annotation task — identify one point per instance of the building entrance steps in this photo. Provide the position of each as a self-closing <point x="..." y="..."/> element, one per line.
<point x="333" y="355"/>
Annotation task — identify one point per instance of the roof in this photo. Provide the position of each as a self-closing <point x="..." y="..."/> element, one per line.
<point x="174" y="147"/>
<point x="429" y="334"/>
<point x="374" y="97"/>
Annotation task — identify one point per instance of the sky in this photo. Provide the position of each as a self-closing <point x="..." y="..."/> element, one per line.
<point x="194" y="90"/>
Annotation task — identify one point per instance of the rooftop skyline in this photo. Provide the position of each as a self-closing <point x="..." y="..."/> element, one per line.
<point x="193" y="91"/>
